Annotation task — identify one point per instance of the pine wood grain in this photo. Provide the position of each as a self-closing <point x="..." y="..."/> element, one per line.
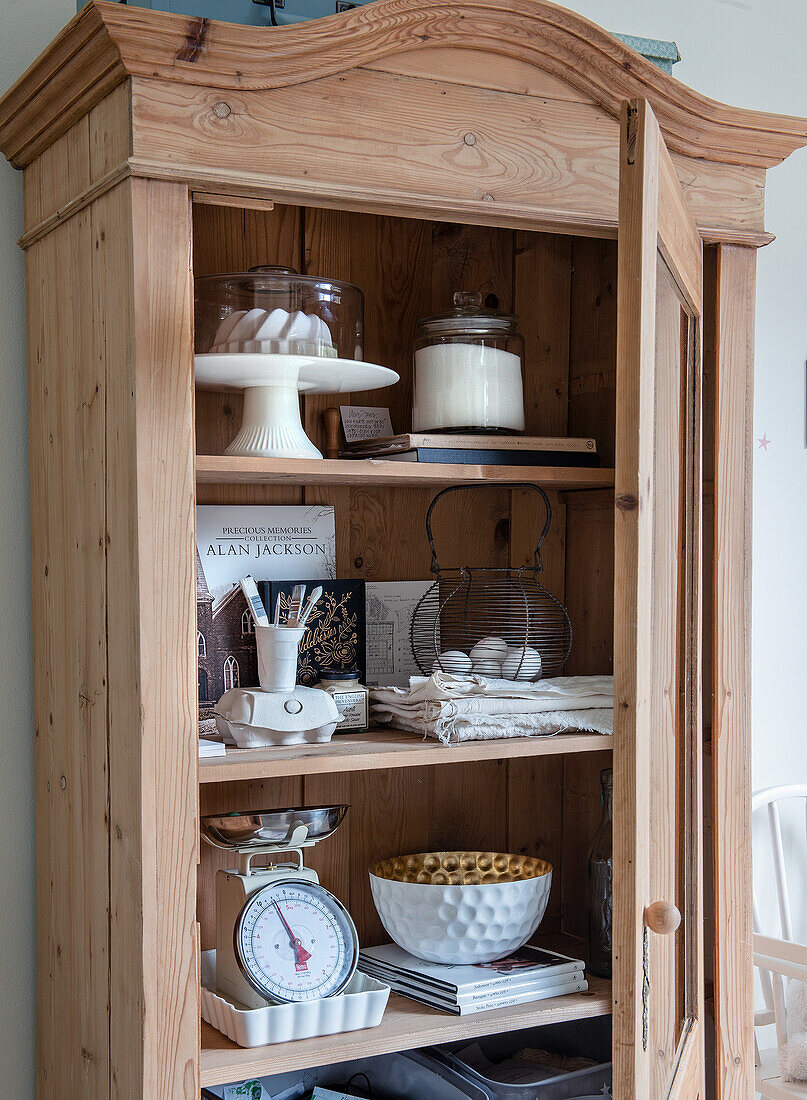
<point x="635" y="351"/>
<point x="469" y="808"/>
<point x="331" y="859"/>
<point x="210" y="198"/>
<point x="395" y="265"/>
<point x="130" y="866"/>
<point x="390" y="260"/>
<point x="589" y="569"/>
<point x="61" y="172"/>
<point x="457" y="148"/>
<point x="111" y="220"/>
<point x="68" y="486"/>
<point x="472" y="67"/>
<point x="592" y="349"/>
<point x="152" y="597"/>
<point x="731" y="671"/>
<point x="710" y="349"/>
<point x="428" y="145"/>
<point x="542" y="300"/>
<point x="536" y="793"/>
<point x="475" y="211"/>
<point x="582" y="813"/>
<point x="110" y="132"/>
<point x="254" y="794"/>
<point x="589" y="572"/>
<point x="235" y="239"/>
<point x="105" y="42"/>
<point x="527" y="518"/>
<point x="657" y="633"/>
<point x="86" y="160"/>
<point x="667" y="877"/>
<point x="382" y="749"/>
<point x="406" y="1026"/>
<point x="389" y="816"/>
<point x="222" y="469"/>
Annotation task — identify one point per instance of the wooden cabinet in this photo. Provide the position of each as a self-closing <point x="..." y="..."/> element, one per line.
<point x="409" y="147"/>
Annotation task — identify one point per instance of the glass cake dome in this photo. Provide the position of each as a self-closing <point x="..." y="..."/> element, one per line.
<point x="276" y="334"/>
<point x="274" y="310"/>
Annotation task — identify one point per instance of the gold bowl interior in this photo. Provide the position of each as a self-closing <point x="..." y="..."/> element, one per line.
<point x="460" y="868"/>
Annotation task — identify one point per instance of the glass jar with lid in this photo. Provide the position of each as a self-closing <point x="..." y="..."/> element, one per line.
<point x="468" y="370"/>
<point x="351" y="698"/>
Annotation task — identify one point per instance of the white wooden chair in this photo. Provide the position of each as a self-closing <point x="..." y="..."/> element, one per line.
<point x="778" y="958"/>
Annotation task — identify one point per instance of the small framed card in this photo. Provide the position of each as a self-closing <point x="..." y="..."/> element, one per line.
<point x="365" y="422"/>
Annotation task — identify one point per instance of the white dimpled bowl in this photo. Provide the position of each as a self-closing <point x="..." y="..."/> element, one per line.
<point x="461" y="907"/>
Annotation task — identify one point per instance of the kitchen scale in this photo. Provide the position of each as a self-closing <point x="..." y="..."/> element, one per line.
<point x="281" y="937"/>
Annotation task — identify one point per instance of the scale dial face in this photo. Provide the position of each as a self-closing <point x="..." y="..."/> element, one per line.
<point x="295" y="941"/>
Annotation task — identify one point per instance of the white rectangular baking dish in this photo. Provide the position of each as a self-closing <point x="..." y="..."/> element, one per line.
<point x="362" y="1005"/>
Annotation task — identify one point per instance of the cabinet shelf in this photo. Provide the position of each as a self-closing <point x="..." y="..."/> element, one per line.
<point x="383" y="748"/>
<point x="223" y="469"/>
<point x="407" y="1025"/>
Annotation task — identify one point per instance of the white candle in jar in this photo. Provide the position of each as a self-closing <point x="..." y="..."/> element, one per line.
<point x="460" y="385"/>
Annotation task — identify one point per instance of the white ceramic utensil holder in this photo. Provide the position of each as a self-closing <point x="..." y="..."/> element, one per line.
<point x="361" y="1005"/>
<point x="277" y="656"/>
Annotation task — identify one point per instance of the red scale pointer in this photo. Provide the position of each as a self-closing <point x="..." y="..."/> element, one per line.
<point x="301" y="956"/>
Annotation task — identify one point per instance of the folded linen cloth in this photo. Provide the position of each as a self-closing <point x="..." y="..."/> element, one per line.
<point x="453" y="708"/>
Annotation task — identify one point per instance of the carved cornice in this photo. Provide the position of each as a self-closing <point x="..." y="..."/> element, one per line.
<point x="106" y="42"/>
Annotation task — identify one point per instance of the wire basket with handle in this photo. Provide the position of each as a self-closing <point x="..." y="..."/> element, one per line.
<point x="490" y="621"/>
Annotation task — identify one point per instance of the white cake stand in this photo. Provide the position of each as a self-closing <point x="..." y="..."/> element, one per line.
<point x="271" y="426"/>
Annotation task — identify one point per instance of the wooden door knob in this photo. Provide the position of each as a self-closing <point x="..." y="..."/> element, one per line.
<point x="662" y="917"/>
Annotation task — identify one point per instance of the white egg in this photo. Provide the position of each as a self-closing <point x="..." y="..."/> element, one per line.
<point x="493" y="669"/>
<point x="522" y="663"/>
<point x="454" y="661"/>
<point x="489" y="649"/>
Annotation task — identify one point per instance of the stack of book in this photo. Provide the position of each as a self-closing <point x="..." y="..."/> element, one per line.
<point x="209" y="747"/>
<point x="529" y="974"/>
<point x="483" y="450"/>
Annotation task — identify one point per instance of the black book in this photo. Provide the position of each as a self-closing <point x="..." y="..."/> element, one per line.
<point x="336" y="636"/>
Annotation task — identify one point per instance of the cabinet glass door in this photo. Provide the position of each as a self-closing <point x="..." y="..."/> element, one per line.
<point x="658" y="943"/>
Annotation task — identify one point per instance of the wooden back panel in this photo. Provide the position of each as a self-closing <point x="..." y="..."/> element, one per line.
<point x="563" y="290"/>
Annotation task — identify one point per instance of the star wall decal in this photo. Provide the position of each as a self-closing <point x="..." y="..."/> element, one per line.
<point x="764" y="442"/>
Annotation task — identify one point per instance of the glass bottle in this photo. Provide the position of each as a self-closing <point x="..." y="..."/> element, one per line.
<point x="599" y="893"/>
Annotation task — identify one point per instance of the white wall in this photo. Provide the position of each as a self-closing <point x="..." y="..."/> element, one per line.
<point x="746" y="52"/>
<point x="751" y="53"/>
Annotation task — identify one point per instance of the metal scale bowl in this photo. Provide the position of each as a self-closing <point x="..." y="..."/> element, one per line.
<point x="281" y="937"/>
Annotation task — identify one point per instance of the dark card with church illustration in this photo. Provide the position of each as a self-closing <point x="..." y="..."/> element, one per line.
<point x="336" y="635"/>
<point x="268" y="542"/>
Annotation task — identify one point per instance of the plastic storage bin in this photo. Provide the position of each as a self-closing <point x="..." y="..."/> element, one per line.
<point x="410" y="1076"/>
<point x="578" y="1038"/>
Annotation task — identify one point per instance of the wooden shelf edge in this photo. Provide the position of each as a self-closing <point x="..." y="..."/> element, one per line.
<point x="407" y="1025"/>
<point x="223" y="469"/>
<point x="381" y="749"/>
